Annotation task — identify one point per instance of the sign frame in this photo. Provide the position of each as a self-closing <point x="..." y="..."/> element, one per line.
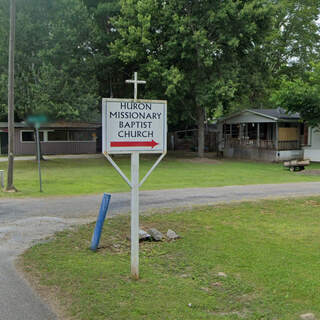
<point x="134" y="182"/>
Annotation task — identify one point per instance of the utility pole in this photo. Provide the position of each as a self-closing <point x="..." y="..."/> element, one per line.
<point x="10" y="187"/>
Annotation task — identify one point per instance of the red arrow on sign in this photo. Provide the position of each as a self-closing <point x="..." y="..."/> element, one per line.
<point x="151" y="144"/>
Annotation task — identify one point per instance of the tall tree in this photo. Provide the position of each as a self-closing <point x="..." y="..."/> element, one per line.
<point x="192" y="50"/>
<point x="110" y="71"/>
<point x="295" y="40"/>
<point x="301" y="95"/>
<point x="55" y="67"/>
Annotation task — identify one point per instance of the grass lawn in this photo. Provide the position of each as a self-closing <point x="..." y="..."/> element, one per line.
<point x="270" y="251"/>
<point x="74" y="176"/>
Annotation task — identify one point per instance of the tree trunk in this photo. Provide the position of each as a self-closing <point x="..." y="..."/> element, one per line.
<point x="10" y="187"/>
<point x="201" y="119"/>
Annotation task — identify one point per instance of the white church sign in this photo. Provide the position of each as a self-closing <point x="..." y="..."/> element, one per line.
<point x="134" y="125"/>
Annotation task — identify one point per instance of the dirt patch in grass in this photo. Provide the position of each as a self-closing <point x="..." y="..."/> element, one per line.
<point x="201" y="160"/>
<point x="314" y="172"/>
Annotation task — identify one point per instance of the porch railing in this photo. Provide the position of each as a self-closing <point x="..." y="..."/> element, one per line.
<point x="289" y="145"/>
<point x="250" y="143"/>
<point x="263" y="144"/>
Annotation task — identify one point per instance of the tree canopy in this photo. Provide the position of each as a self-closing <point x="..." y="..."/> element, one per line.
<point x="206" y="57"/>
<point x="301" y="95"/>
<point x="54" y="61"/>
<point x="193" y="51"/>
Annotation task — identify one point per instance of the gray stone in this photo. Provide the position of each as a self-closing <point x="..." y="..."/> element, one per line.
<point x="155" y="234"/>
<point x="171" y="235"/>
<point x="143" y="235"/>
<point x="308" y="316"/>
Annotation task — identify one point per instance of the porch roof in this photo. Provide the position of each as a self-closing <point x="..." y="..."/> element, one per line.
<point x="277" y="114"/>
<point x="262" y="115"/>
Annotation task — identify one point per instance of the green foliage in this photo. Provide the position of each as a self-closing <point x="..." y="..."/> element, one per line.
<point x="191" y="52"/>
<point x="287" y="50"/>
<point x="109" y="69"/>
<point x="212" y="55"/>
<point x="54" y="61"/>
<point x="301" y="95"/>
<point x="296" y="39"/>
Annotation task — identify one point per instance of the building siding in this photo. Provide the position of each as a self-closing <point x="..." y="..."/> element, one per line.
<point x="59" y="147"/>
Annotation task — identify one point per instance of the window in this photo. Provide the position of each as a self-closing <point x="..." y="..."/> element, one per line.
<point x="29" y="136"/>
<point x="58" y="135"/>
<point x="71" y="135"/>
<point x="81" y="135"/>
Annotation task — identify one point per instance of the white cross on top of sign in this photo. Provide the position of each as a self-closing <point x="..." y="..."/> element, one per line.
<point x="136" y="82"/>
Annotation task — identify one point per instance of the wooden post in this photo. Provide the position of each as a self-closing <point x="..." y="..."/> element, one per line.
<point x="241" y="135"/>
<point x="277" y="136"/>
<point x="201" y="136"/>
<point x="10" y="186"/>
<point x="258" y="134"/>
<point x="172" y="138"/>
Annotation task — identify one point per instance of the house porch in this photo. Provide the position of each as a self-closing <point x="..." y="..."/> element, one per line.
<point x="268" y="141"/>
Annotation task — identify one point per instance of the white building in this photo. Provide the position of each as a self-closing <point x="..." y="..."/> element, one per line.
<point x="312" y="148"/>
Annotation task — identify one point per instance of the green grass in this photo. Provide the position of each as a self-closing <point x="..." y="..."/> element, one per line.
<point x="269" y="251"/>
<point x="71" y="177"/>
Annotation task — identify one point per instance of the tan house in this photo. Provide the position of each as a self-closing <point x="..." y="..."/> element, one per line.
<point x="262" y="134"/>
<point x="55" y="138"/>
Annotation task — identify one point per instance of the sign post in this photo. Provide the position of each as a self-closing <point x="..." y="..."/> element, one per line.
<point x="37" y="125"/>
<point x="132" y="126"/>
<point x="36" y="121"/>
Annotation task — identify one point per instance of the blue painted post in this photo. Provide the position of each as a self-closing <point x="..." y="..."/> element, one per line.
<point x="99" y="225"/>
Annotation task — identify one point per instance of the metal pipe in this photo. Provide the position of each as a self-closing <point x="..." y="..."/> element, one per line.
<point x="135" y="215"/>
<point x="38" y="156"/>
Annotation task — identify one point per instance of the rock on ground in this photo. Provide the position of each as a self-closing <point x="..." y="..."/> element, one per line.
<point x="155" y="234"/>
<point x="171" y="235"/>
<point x="143" y="235"/>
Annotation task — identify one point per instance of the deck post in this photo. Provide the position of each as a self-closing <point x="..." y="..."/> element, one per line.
<point x="240" y="132"/>
<point x="258" y="134"/>
<point x="277" y="136"/>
